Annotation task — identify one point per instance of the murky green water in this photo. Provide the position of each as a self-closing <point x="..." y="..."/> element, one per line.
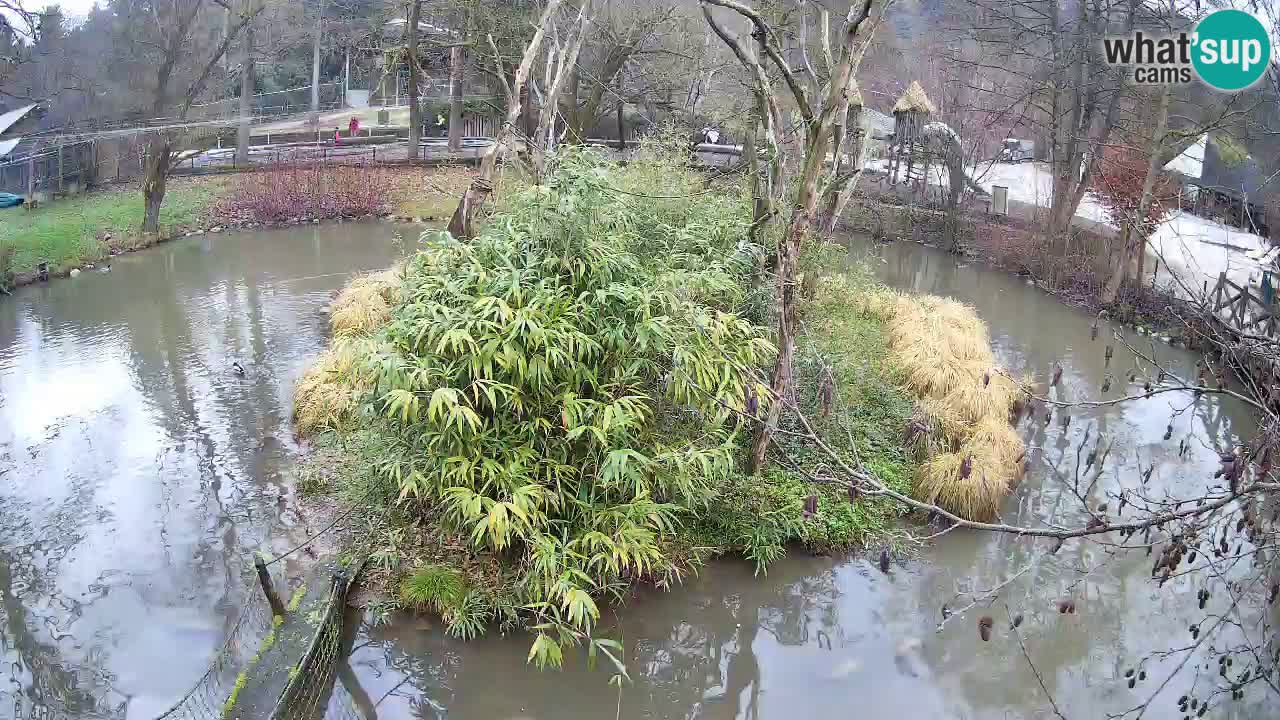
<point x="137" y="473"/>
<point x="137" y="470"/>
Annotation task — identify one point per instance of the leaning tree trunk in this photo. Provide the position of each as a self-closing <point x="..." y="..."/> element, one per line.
<point x="462" y="224"/>
<point x="842" y="192"/>
<point x="787" y="269"/>
<point x="159" y="150"/>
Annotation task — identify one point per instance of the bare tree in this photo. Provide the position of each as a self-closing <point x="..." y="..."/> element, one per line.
<point x="622" y="31"/>
<point x="411" y="50"/>
<point x="462" y="224"/>
<point x="19" y="31"/>
<point x="818" y="113"/>
<point x="562" y="60"/>
<point x="315" y="63"/>
<point x="165" y="37"/>
<point x="246" y="97"/>
<point x="457" y="80"/>
<point x="1048" y="52"/>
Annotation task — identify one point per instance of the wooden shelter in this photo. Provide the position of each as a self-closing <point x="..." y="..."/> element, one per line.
<point x="910" y="113"/>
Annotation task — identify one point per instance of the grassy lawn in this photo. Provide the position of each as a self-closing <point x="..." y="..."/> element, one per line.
<point x="72" y="231"/>
<point x="430" y="194"/>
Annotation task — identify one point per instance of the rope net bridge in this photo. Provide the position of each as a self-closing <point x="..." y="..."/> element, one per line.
<point x="284" y="658"/>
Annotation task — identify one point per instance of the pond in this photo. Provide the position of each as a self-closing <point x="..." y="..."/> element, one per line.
<point x="139" y="470"/>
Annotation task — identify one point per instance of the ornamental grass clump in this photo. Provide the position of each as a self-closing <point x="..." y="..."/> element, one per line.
<point x="365" y="303"/>
<point x="943" y="353"/>
<point x="560" y="390"/>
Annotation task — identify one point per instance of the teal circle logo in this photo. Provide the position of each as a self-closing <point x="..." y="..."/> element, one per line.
<point x="1232" y="50"/>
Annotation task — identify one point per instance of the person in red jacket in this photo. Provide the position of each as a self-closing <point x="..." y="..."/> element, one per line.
<point x="353" y="127"/>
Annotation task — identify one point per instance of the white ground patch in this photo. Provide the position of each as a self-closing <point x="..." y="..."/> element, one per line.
<point x="1196" y="250"/>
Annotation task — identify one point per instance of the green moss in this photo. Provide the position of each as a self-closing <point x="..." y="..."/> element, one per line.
<point x="68" y="232"/>
<point x="296" y="599"/>
<point x="434" y="586"/>
<point x="1230" y="151"/>
<point x="243" y="678"/>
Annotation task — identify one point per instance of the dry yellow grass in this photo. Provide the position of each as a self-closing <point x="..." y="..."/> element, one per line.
<point x="325" y="394"/>
<point x="944" y="354"/>
<point x="365" y="304"/>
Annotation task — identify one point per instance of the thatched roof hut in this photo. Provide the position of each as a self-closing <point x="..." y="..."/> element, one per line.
<point x="855" y="95"/>
<point x="914" y="101"/>
<point x="911" y="112"/>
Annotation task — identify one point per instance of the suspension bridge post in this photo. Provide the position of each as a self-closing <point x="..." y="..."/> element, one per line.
<point x="264" y="577"/>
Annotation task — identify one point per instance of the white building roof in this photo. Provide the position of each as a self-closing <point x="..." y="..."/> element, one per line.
<point x="423" y="27"/>
<point x="1191" y="162"/>
<point x="8" y="119"/>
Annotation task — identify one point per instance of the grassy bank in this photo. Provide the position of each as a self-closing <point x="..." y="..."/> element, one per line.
<point x="70" y="232"/>
<point x="73" y="231"/>
<point x="539" y="418"/>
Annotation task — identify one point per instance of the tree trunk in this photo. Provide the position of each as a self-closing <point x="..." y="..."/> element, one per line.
<point x="315" y="64"/>
<point x="1134" y="243"/>
<point x="153" y="183"/>
<point x="787" y="267"/>
<point x="585" y="116"/>
<point x="1119" y="267"/>
<point x="827" y="220"/>
<point x="622" y="130"/>
<point x="415" y="112"/>
<point x="456" y="77"/>
<point x="246" y="100"/>
<point x="560" y="65"/>
<point x="526" y="113"/>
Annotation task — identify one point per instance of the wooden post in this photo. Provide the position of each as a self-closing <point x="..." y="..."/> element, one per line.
<point x="61" y="188"/>
<point x="264" y="577"/>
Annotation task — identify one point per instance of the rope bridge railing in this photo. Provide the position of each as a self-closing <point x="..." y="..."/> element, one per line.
<point x="259" y="654"/>
<point x="307" y="694"/>
<point x="208" y="697"/>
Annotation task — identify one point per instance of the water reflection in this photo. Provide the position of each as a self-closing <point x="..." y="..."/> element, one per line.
<point x="834" y="638"/>
<point x="813" y="638"/>
<point x="136" y="471"/>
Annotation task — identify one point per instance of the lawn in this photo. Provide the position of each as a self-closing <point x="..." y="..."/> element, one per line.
<point x="72" y="231"/>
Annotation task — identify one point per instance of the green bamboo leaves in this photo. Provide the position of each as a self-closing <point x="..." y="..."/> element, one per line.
<point x="563" y="387"/>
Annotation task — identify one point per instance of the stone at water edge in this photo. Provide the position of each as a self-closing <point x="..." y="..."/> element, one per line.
<point x="75" y="272"/>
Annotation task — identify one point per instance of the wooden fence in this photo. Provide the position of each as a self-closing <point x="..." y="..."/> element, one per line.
<point x="1241" y="310"/>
